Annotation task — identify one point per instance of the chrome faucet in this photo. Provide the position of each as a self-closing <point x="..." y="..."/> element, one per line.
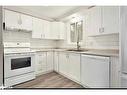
<point x="78" y="46"/>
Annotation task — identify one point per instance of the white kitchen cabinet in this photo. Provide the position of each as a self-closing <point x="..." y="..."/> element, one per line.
<point x="115" y="72"/>
<point x="94" y="21"/>
<point x="12" y="19"/>
<point x="46" y="30"/>
<point x="41" y="63"/>
<point x="69" y="65"/>
<point x="49" y="61"/>
<point x="26" y="22"/>
<point x="37" y="28"/>
<point x="95" y="71"/>
<point x="110" y="19"/>
<point x="54" y="30"/>
<point x="63" y="63"/>
<point x="57" y="30"/>
<point x="103" y="20"/>
<point x="15" y="20"/>
<point x="62" y="30"/>
<point x="74" y="64"/>
<point x="41" y="29"/>
<point x="56" y="61"/>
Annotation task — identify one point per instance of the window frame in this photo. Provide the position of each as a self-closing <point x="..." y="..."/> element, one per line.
<point x="74" y="43"/>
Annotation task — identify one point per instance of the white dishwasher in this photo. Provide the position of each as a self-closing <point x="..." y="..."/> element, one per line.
<point x="95" y="71"/>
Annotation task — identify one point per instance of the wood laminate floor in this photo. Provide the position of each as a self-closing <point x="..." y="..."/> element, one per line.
<point x="50" y="80"/>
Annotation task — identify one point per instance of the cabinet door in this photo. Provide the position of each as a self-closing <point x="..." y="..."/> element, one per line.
<point x="12" y="19"/>
<point x="94" y="21"/>
<point x="41" y="65"/>
<point x="87" y="24"/>
<point x="49" y="61"/>
<point x="54" y="30"/>
<point x="115" y="72"/>
<point x="61" y="30"/>
<point x="74" y="64"/>
<point x="110" y="19"/>
<point x="63" y="63"/>
<point x="37" y="28"/>
<point x="95" y="71"/>
<point x="56" y="61"/>
<point x="26" y="22"/>
<point x="47" y="29"/>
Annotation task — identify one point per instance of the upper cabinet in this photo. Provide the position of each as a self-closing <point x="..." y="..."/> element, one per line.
<point x="110" y="20"/>
<point x="26" y="22"/>
<point x="17" y="21"/>
<point x="94" y="21"/>
<point x="11" y="19"/>
<point x="37" y="28"/>
<point x="47" y="30"/>
<point x="41" y="29"/>
<point x="57" y="30"/>
<point x="102" y="20"/>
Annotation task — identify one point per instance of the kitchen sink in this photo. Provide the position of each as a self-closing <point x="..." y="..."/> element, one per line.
<point x="80" y="50"/>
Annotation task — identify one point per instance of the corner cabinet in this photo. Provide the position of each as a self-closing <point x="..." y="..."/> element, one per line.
<point x="49" y="61"/>
<point x="56" y="61"/>
<point x="57" y="30"/>
<point x="40" y="65"/>
<point x="44" y="62"/>
<point x="103" y="20"/>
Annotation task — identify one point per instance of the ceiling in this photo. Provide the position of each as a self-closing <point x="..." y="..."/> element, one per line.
<point x="51" y="12"/>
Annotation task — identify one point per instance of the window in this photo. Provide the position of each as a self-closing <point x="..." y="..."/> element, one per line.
<point x="76" y="32"/>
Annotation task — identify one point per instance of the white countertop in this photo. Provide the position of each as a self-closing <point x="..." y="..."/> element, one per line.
<point x="90" y="51"/>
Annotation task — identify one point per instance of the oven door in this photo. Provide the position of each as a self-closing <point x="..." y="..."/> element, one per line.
<point x="18" y="65"/>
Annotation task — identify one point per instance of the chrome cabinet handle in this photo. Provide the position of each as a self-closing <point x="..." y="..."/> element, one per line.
<point x="99" y="30"/>
<point x="102" y="29"/>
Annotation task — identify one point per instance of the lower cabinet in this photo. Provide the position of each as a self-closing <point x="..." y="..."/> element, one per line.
<point x="44" y="62"/>
<point x="69" y="65"/>
<point x="88" y="70"/>
<point x="115" y="72"/>
<point x="56" y="62"/>
<point x="50" y="61"/>
<point x="40" y="60"/>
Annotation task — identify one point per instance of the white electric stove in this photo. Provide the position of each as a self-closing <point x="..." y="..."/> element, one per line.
<point x="19" y="63"/>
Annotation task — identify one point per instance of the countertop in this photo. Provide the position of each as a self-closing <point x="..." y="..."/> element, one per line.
<point x="104" y="52"/>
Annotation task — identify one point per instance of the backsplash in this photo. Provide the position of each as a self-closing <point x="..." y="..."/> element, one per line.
<point x="39" y="43"/>
<point x="99" y="42"/>
<point x="9" y="36"/>
<point x="103" y="42"/>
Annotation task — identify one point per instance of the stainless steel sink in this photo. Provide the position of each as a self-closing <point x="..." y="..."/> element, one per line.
<point x="80" y="50"/>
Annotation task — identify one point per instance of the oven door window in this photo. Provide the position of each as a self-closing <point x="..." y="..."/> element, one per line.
<point x="20" y="63"/>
